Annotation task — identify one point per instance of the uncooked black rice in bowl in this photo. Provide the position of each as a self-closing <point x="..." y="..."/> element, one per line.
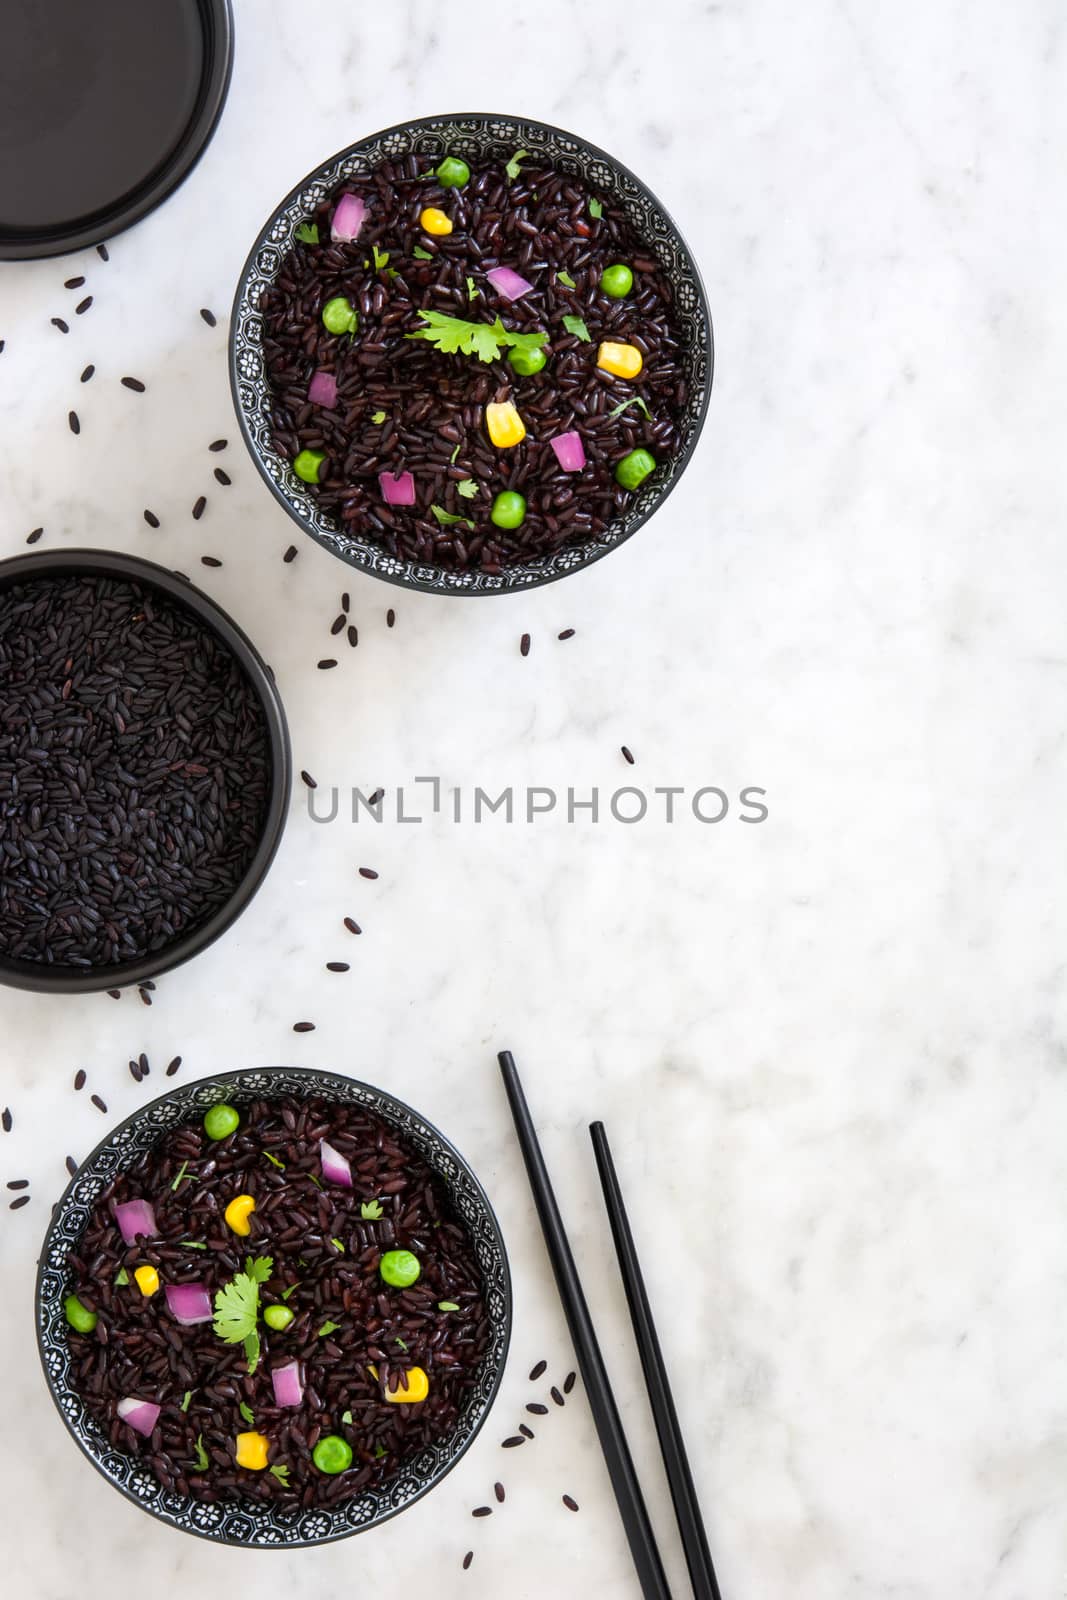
<point x="143" y="769"/>
<point x="471" y="360"/>
<point x="288" y="1304"/>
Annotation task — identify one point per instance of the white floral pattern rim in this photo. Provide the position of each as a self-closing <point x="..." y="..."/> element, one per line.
<point x="242" y="1523"/>
<point x="477" y="135"/>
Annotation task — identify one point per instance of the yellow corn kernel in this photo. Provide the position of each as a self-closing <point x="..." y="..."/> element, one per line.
<point x="415" y="1386"/>
<point x="147" y="1279"/>
<point x="252" y="1451"/>
<point x="433" y="220"/>
<point x="238" y="1212"/>
<point x="505" y="426"/>
<point x="624" y="360"/>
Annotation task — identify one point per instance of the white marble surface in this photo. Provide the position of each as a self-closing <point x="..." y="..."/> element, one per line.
<point x="830" y="1049"/>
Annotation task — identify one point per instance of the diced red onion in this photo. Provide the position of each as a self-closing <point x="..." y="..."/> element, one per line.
<point x="134" y="1217"/>
<point x="335" y="1168"/>
<point x="348" y="218"/>
<point x="288" y="1384"/>
<point x="570" y="451"/>
<point x="397" y="489"/>
<point x="141" y="1415"/>
<point x="322" y="390"/>
<point x="508" y="283"/>
<point x="188" y="1303"/>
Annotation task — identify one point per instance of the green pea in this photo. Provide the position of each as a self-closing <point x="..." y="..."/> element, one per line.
<point x="277" y="1317"/>
<point x="633" y="469"/>
<point x="453" y="173"/>
<point x="308" y="463"/>
<point x="400" y="1268"/>
<point x="81" y="1319"/>
<point x="332" y="1454"/>
<point x="340" y="315"/>
<point x="509" y="509"/>
<point x="527" y="362"/>
<point x="617" y="280"/>
<point x="220" y="1122"/>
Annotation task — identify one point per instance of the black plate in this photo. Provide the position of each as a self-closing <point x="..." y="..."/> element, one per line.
<point x="105" y="106"/>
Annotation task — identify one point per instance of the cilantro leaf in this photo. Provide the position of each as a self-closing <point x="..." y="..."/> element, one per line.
<point x="635" y="400"/>
<point x="274" y="1161"/>
<point x="378" y="418"/>
<point x="420" y="254"/>
<point x="346" y="1416"/>
<point x="338" y="1245"/>
<point x="122" y="1276"/>
<point x="381" y="258"/>
<point x="512" y="167"/>
<point x="454" y="336"/>
<point x="186" y="1397"/>
<point x="202" y="1462"/>
<point x="237" y="1307"/>
<point x="447" y="518"/>
<point x="308" y="233"/>
<point x="182" y="1172"/>
<point x="379" y="1452"/>
<point x="371" y="1210"/>
<point x="401" y="1343"/>
<point x="472" y="290"/>
<point x="328" y="1327"/>
<point x="596" y="210"/>
<point x="281" y="1472"/>
<point x="260" y="1269"/>
<point x="467" y="488"/>
<point x="192" y="1244"/>
<point x="246" y="1412"/>
<point x="566" y="279"/>
<point x="576" y="326"/>
<point x="293" y="1287"/>
<point x="252" y="1350"/>
<point x="452" y="457"/>
<point x="447" y="1305"/>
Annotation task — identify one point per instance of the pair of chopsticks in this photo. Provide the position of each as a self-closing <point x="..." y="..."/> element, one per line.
<point x="609" y="1427"/>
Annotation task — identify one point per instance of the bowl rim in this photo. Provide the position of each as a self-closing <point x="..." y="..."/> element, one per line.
<point x="44" y="979"/>
<point x="322" y="1079"/>
<point x="595" y="552"/>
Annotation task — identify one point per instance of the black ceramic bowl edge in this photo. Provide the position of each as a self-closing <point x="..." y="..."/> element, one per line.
<point x="46" y="979"/>
<point x="266" y="1528"/>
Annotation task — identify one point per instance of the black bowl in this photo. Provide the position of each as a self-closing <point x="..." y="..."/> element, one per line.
<point x="476" y="135"/>
<point x="252" y="1524"/>
<point x="55" y="979"/>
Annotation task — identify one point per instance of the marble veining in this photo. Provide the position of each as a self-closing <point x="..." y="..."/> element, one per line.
<point x="829" y="1048"/>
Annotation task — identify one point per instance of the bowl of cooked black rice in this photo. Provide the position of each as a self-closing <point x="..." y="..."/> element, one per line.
<point x="144" y="770"/>
<point x="471" y="354"/>
<point x="273" y="1307"/>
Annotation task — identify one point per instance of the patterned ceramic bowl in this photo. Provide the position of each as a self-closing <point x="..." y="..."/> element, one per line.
<point x="477" y="136"/>
<point x="248" y="1523"/>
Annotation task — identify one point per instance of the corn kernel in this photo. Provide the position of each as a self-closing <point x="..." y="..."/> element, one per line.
<point x="238" y="1212"/>
<point x="252" y="1451"/>
<point x="147" y="1279"/>
<point x="624" y="360"/>
<point x="505" y="426"/>
<point x="435" y="221"/>
<point x="414" y="1386"/>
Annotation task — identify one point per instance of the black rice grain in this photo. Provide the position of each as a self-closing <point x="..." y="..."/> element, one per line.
<point x="390" y="618"/>
<point x="135" y="1072"/>
<point x="210" y="561"/>
<point x="73" y="283"/>
<point x="57" y="322"/>
<point x="538" y="1370"/>
<point x="570" y="1503"/>
<point x="172" y="1066"/>
<point x="101" y="1105"/>
<point x="208" y="316"/>
<point x="338" y="623"/>
<point x="524" y="645"/>
<point x="627" y="755"/>
<point x="568" y="633"/>
<point x="353" y="927"/>
<point x="199" y="507"/>
<point x="71" y="1165"/>
<point x="18" y="1183"/>
<point x="32" y="538"/>
<point x="569" y="1381"/>
<point x="201" y="1382"/>
<point x="73" y="423"/>
<point x="101" y="251"/>
<point x="146" y="998"/>
<point x="151" y="518"/>
<point x="326" y="664"/>
<point x="218" y="444"/>
<point x="79" y="1078"/>
<point x="116" y="994"/>
<point x="309" y="780"/>
<point x="498" y="1490"/>
<point x="87" y="373"/>
<point x="367" y="872"/>
<point x="223" y="478"/>
<point x="6" y="1119"/>
<point x="527" y="1433"/>
<point x="353" y="635"/>
<point x="23" y="1200"/>
<point x="83" y="305"/>
<point x="134" y="771"/>
<point x="133" y="383"/>
<point x="337" y="966"/>
<point x="482" y="1511"/>
<point x="536" y="1408"/>
<point x="467" y="1559"/>
<point x="303" y="1027"/>
<point x="291" y="554"/>
<point x="557" y="1397"/>
<point x="509" y="1444"/>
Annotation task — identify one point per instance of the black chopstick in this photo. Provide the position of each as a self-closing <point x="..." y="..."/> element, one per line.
<point x="686" y="1505"/>
<point x="620" y="1466"/>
